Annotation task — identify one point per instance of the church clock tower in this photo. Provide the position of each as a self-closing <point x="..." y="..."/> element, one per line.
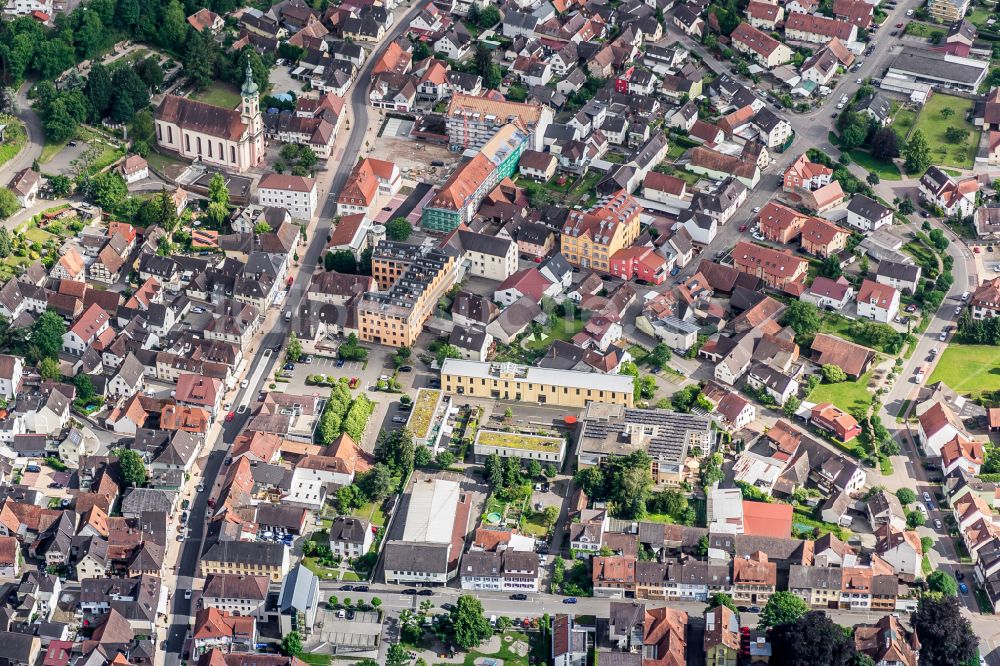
<point x="250" y="114"/>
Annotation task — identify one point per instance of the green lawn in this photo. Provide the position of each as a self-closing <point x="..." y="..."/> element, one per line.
<point x="14" y="138"/>
<point x="161" y="162"/>
<point x="934" y="124"/>
<point x="560" y="329"/>
<point x="219" y="94"/>
<point x="372" y="512"/>
<point x="35" y="235"/>
<point x="801" y="521"/>
<point x="969" y="369"/>
<point x="903" y="121"/>
<point x="108" y="155"/>
<point x="979" y="16"/>
<point x="885" y="170"/>
<point x="925" y="30"/>
<point x="538" y="654"/>
<point x="316" y="659"/>
<point x="846" y="395"/>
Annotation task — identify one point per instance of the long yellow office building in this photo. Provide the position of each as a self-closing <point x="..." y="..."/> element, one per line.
<point x="509" y="381"/>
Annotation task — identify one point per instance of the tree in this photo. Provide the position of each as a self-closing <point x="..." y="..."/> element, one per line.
<point x="444" y="458"/>
<point x="917" y="153"/>
<point x="133" y="470"/>
<point x="947" y="111"/>
<point x="783" y="607"/>
<point x="942" y="582"/>
<point x="375" y="602"/>
<point x="8" y="203"/>
<point x="485" y="67"/>
<point x="833" y="374"/>
<point x="396" y="449"/>
<point x="199" y="60"/>
<point x="99" y="89"/>
<point x="218" y="200"/>
<point x="447" y="351"/>
<point x="398" y="229"/>
<point x="291" y="644"/>
<point x="791" y="406"/>
<point x="811" y="640"/>
<point x="906" y="496"/>
<point x="804" y="319"/>
<point x="885" y="144"/>
<point x="872" y="178"/>
<point x="173" y="25"/>
<point x="397" y="655"/>
<point x="293" y="352"/>
<point x="722" y="599"/>
<point x="59" y="185"/>
<point x="946" y="637"/>
<point x="401" y="356"/>
<point x="905" y="206"/>
<point x="915" y="519"/>
<point x="684" y="400"/>
<point x="489" y="16"/>
<point x="422" y="456"/>
<point x="861" y="659"/>
<point x="84" y="386"/>
<point x="956" y="134"/>
<point x="47" y="335"/>
<point x="864" y="265"/>
<point x="48" y="368"/>
<point x="830" y="268"/>
<point x="341" y="261"/>
<point x="550" y="515"/>
<point x="468" y="623"/>
<point x="377" y="483"/>
<point x="659" y="356"/>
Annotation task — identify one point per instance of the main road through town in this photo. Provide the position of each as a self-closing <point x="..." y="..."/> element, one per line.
<point x="187" y="565"/>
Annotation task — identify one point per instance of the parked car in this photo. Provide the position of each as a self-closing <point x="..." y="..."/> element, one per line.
<point x="399" y="419"/>
<point x="426" y="593"/>
<point x="448" y="607"/>
<point x="245" y="383"/>
<point x="360" y="588"/>
<point x="187" y="594"/>
<point x="406" y="368"/>
<point x="569" y="600"/>
<point x="963" y="588"/>
<point x="409" y="591"/>
<point x="340" y="362"/>
<point x="519" y="596"/>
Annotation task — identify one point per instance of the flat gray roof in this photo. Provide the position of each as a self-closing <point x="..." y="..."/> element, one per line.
<point x="936" y="67"/>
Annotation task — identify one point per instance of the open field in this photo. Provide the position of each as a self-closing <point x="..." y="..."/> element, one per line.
<point x="885" y="170"/>
<point x="220" y="94"/>
<point x="13" y="140"/>
<point x="847" y="395"/>
<point x="969" y="369"/>
<point x="939" y="113"/>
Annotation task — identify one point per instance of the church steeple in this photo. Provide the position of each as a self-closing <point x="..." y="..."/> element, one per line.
<point x="249" y="86"/>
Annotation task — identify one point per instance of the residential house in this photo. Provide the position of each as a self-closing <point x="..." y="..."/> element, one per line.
<point x="766" y="50"/>
<point x="954" y="197"/>
<point x="879" y="302"/>
<point x="823" y="239"/>
<point x="776" y="268"/>
<point x="867" y="214"/>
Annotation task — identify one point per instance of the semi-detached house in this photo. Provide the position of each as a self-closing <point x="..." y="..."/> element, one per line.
<point x="85" y="330"/>
<point x="766" y="50"/>
<point x="777" y="269"/>
<point x="816" y="29"/>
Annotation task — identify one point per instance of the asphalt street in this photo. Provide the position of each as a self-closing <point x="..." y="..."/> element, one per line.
<point x="35" y="136"/>
<point x="276" y="337"/>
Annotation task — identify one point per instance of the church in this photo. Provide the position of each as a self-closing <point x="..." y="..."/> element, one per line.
<point x="231" y="139"/>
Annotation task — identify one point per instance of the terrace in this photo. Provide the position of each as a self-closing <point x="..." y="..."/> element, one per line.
<point x="422" y="417"/>
<point x="516" y="440"/>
